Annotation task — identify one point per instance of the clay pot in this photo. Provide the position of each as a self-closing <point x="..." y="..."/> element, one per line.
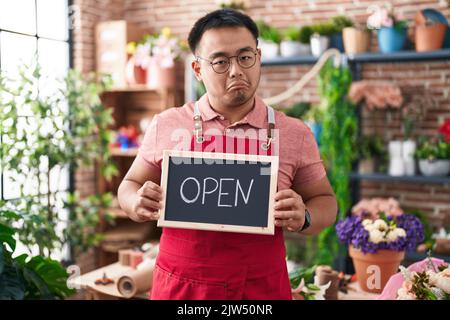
<point x="135" y="74"/>
<point x="429" y="38"/>
<point x="356" y="41"/>
<point x="159" y="77"/>
<point x="373" y="270"/>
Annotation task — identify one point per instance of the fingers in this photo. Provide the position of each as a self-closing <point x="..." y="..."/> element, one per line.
<point x="149" y="204"/>
<point x="286" y="215"/>
<point x="147" y="215"/>
<point x="287" y="203"/>
<point x="287" y="193"/>
<point x="151" y="190"/>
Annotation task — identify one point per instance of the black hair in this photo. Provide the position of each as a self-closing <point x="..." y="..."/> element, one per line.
<point x="221" y="18"/>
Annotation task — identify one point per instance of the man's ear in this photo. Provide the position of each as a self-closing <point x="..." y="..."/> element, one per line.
<point x="196" y="68"/>
<point x="259" y="53"/>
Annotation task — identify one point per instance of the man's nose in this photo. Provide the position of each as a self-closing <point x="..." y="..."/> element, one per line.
<point x="235" y="68"/>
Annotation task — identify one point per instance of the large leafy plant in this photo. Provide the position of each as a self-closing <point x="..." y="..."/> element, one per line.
<point x="42" y="136"/>
<point x="338" y="141"/>
<point x="27" y="277"/>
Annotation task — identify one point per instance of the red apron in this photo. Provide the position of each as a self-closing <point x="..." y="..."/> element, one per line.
<point x="212" y="265"/>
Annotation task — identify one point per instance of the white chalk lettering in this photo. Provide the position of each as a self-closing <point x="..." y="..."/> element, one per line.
<point x="238" y="187"/>
<point x="223" y="193"/>
<point x="182" y="193"/>
<point x="204" y="188"/>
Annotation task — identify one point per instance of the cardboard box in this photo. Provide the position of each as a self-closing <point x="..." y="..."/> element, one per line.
<point x="112" y="38"/>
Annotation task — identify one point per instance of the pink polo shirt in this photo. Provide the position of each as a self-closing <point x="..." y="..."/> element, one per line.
<point x="299" y="158"/>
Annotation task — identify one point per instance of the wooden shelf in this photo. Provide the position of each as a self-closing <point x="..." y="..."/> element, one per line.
<point x="136" y="88"/>
<point x="399" y="56"/>
<point x="408" y="179"/>
<point x="118" y="152"/>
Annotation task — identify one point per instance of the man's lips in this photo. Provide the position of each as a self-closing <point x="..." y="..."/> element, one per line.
<point x="238" y="85"/>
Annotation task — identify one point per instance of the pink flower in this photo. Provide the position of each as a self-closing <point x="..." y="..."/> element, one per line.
<point x="373" y="208"/>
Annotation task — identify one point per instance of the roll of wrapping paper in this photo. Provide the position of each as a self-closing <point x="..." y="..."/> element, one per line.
<point x="136" y="281"/>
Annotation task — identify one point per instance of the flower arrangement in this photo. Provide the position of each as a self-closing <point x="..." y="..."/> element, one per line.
<point x="376" y="95"/>
<point x="378" y="224"/>
<point x="384" y="17"/>
<point x="163" y="46"/>
<point x="431" y="282"/>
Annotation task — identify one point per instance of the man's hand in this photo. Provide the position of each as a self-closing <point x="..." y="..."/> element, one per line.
<point x="289" y="210"/>
<point x="148" y="202"/>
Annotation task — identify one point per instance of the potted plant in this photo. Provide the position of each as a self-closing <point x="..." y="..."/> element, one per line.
<point x="429" y="32"/>
<point x="372" y="153"/>
<point x="305" y="39"/>
<point x="434" y="156"/>
<point x="165" y="50"/>
<point x="269" y="40"/>
<point x="320" y="39"/>
<point x="378" y="233"/>
<point x="231" y="4"/>
<point x="392" y="31"/>
<point x="336" y="37"/>
<point x="356" y="39"/>
<point x="291" y="46"/>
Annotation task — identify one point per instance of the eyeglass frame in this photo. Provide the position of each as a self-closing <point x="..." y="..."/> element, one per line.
<point x="229" y="60"/>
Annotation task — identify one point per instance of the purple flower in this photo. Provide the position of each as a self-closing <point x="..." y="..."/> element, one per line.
<point x="351" y="232"/>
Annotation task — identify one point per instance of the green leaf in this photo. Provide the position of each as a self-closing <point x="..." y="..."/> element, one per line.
<point x="312" y="287"/>
<point x="6" y="235"/>
<point x="12" y="286"/>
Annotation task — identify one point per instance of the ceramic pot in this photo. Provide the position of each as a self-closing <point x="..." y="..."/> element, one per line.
<point x="429" y="38"/>
<point x="319" y="44"/>
<point x="434" y="167"/>
<point x="373" y="270"/>
<point x="391" y="39"/>
<point x="356" y="41"/>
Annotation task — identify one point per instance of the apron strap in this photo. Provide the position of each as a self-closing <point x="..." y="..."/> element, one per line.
<point x="198" y="126"/>
<point x="271" y="123"/>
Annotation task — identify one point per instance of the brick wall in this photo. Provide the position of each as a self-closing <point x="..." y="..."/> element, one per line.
<point x="431" y="78"/>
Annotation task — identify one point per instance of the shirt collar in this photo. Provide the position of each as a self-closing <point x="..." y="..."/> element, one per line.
<point x="257" y="117"/>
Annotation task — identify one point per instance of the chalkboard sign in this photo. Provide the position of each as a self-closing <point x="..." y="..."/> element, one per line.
<point x="218" y="191"/>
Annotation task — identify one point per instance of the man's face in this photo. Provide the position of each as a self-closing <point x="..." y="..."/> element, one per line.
<point x="237" y="85"/>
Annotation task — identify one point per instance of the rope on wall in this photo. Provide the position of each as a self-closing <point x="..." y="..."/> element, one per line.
<point x="307" y="77"/>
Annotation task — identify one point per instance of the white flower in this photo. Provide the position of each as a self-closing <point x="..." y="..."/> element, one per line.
<point x="399" y="232"/>
<point x="376" y="236"/>
<point x="403" y="294"/>
<point x="380" y="225"/>
<point x="441" y="280"/>
<point x="366" y="222"/>
<point x="391" y="236"/>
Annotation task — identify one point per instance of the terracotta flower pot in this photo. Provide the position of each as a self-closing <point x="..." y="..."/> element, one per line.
<point x="356" y="41"/>
<point x="373" y="270"/>
<point x="429" y="38"/>
<point x="135" y="74"/>
<point x="159" y="77"/>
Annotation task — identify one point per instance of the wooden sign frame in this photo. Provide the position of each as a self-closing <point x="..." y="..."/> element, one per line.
<point x="273" y="160"/>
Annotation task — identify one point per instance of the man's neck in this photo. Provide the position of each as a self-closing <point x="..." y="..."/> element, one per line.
<point x="233" y="114"/>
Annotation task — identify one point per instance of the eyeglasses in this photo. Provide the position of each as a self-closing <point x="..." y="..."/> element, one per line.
<point x="246" y="59"/>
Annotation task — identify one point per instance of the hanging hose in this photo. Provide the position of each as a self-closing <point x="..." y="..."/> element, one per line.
<point x="306" y="78"/>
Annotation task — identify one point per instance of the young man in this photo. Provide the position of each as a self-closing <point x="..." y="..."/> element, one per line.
<point x="196" y="264"/>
